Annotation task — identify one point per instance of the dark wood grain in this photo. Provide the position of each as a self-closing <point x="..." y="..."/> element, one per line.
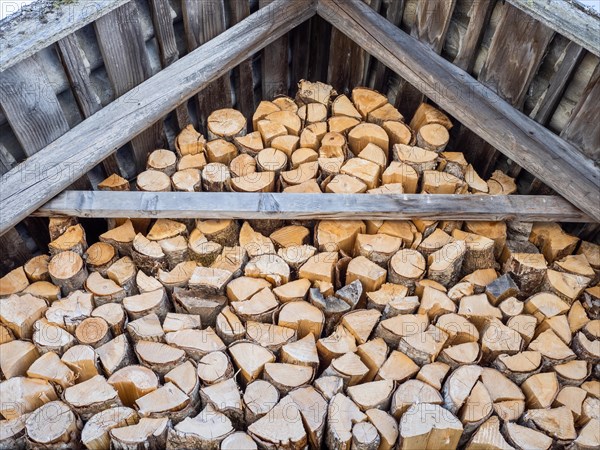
<point x="77" y="70"/>
<point x="244" y="86"/>
<point x="535" y="148"/>
<point x="219" y="205"/>
<point x="167" y="45"/>
<point x="275" y="65"/>
<point x="430" y="27"/>
<point x="514" y="56"/>
<point x="203" y="21"/>
<point x="479" y="15"/>
<point x="126" y="61"/>
<point x="320" y="37"/>
<point x="24" y="189"/>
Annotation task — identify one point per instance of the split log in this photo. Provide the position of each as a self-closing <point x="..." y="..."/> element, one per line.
<point x="133" y="382"/>
<point x="281" y="427"/>
<point x="342" y="415"/>
<point x="53" y="425"/>
<point x="216" y="177"/>
<point x="20" y="312"/>
<point x="426" y="114"/>
<point x="22" y="395"/>
<point x="48" y="337"/>
<point x="385" y="113"/>
<point x="250" y="359"/>
<point x="140" y="305"/>
<point x="288" y="144"/>
<point x="82" y="360"/>
<point x="312" y="113"/>
<point x="187" y="180"/>
<point x="148" y="255"/>
<point x="161" y="358"/>
<point x="120" y="237"/>
<point x="286" y="377"/>
<point x="201" y="250"/>
<point x="67" y="271"/>
<point x="418" y="158"/>
<point x="166" y="401"/>
<point x="206" y="306"/>
<point x="222" y="231"/>
<point x="96" y="432"/>
<point x="195" y="343"/>
<point x="114" y="315"/>
<point x="148" y="432"/>
<point x="189" y="141"/>
<point x="104" y="290"/>
<point x="337" y="344"/>
<point x="197" y="161"/>
<point x="73" y="240"/>
<point x="242" y="165"/>
<point x="99" y="257"/>
<point x="556" y="422"/>
<point x="259" y="398"/>
<point x="147" y="328"/>
<point x="429" y="426"/>
<point x="214" y="367"/>
<point x="92" y="396"/>
<point x="270" y="336"/>
<point x="433" y="136"/>
<point x="163" y="161"/>
<point x="36" y="269"/>
<point x="17" y="356"/>
<point x="226" y="123"/>
<point x="367" y="133"/>
<point x="302" y="352"/>
<point x="220" y="151"/>
<point x="49" y="367"/>
<point x="314" y="92"/>
<point x="524" y="437"/>
<point x="406" y="267"/>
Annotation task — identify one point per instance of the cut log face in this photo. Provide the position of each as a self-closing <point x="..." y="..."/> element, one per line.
<point x="96" y="432"/>
<point x="133" y="382"/>
<point x="92" y="396"/>
<point x="281" y="427"/>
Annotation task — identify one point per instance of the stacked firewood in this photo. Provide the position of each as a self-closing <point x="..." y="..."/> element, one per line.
<point x="336" y="334"/>
<point x="318" y="142"/>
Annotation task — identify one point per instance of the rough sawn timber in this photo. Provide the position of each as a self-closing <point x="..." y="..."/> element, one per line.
<point x="535" y="148"/>
<point x="45" y="174"/>
<point x="225" y="205"/>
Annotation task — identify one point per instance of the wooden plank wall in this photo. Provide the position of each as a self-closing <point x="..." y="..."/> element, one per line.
<point x="518" y="41"/>
<point x="126" y="60"/>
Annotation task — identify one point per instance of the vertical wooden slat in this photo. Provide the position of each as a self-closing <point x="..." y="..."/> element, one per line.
<point x="583" y="127"/>
<point x="275" y="67"/>
<point x="319" y="43"/>
<point x="299" y="45"/>
<point x="514" y="56"/>
<point x="244" y="88"/>
<point x="12" y="246"/>
<point x="37" y="119"/>
<point x="348" y="62"/>
<point x="77" y="69"/>
<point x="203" y="20"/>
<point x="127" y="64"/>
<point x="167" y="45"/>
<point x="394" y="10"/>
<point x="479" y="15"/>
<point x="430" y="27"/>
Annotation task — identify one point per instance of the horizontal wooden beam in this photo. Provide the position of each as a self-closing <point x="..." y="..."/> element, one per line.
<point x="219" y="205"/>
<point x="25" y="35"/>
<point x="51" y="170"/>
<point x="544" y="154"/>
<point x="568" y="18"/>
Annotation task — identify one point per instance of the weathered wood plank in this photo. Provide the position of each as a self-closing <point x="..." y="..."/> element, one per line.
<point x="77" y="70"/>
<point x="393" y="13"/>
<point x="12" y="246"/>
<point x="567" y="18"/>
<point x="300" y="51"/>
<point x="479" y="15"/>
<point x="244" y="88"/>
<point x="583" y="127"/>
<point x="25" y="36"/>
<point x="430" y="27"/>
<point x="30" y="106"/>
<point x="535" y="148"/>
<point x="275" y="66"/>
<point x="320" y="37"/>
<point x="126" y="61"/>
<point x="162" y="17"/>
<point x="549" y="100"/>
<point x="97" y="137"/>
<point x="203" y="21"/>
<point x="516" y="51"/>
<point x="219" y="205"/>
<point x="348" y="63"/>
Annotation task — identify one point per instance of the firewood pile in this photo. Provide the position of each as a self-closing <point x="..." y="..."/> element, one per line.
<point x="319" y="142"/>
<point x="333" y="334"/>
<point x="226" y="334"/>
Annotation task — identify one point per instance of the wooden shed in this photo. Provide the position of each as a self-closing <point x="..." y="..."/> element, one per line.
<point x="460" y="131"/>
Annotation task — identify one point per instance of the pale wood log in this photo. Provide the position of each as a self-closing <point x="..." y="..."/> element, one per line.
<point x="62" y="431"/>
<point x="73" y="239"/>
<point x="195" y="343"/>
<point x="120" y="237"/>
<point x="250" y="359"/>
<point x="428" y="426"/>
<point x="148" y="432"/>
<point x="556" y="422"/>
<point x="96" y="432"/>
<point x="159" y="357"/>
<point x="92" y="396"/>
<point x="259" y="398"/>
<point x="82" y="360"/>
<point x="406" y="267"/>
<point x="48" y="337"/>
<point x="302" y="317"/>
<point x="197" y="161"/>
<point x="36" y="269"/>
<point x="187" y="180"/>
<point x="104" y="290"/>
<point x="214" y="367"/>
<point x="115" y="354"/>
<point x="238" y="441"/>
<point x="167" y="401"/>
<point x="133" y="382"/>
<point x="220" y="151"/>
<point x="281" y="427"/>
<point x="216" y="177"/>
<point x="342" y="414"/>
<point x="68" y="271"/>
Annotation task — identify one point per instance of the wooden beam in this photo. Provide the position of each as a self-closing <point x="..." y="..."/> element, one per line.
<point x="24" y="36"/>
<point x="221" y="205"/>
<point x="566" y="18"/>
<point x="45" y="174"/>
<point x="538" y="150"/>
